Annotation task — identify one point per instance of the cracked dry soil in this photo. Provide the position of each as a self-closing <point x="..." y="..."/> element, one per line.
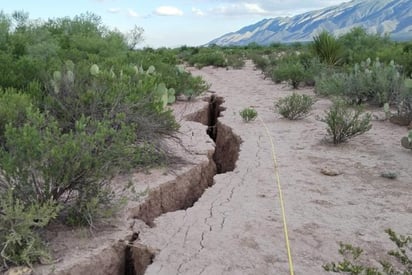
<point x="198" y="221"/>
<point x="236" y="228"/>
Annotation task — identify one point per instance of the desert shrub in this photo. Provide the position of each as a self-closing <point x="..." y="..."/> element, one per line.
<point x="327" y="48"/>
<point x="331" y="84"/>
<point x="405" y="59"/>
<point x="248" y="114"/>
<point x="67" y="127"/>
<point x="406" y="142"/>
<point x="13" y="105"/>
<point x="177" y="78"/>
<point x="235" y="60"/>
<point x="290" y="70"/>
<point x="41" y="163"/>
<point x="358" y="45"/>
<point x="313" y="68"/>
<point x="214" y="58"/>
<point x="389" y="175"/>
<point x="344" y="122"/>
<point x="261" y="61"/>
<point x="20" y="243"/>
<point x="372" y="82"/>
<point x="352" y="263"/>
<point x="294" y="106"/>
<point x="404" y="102"/>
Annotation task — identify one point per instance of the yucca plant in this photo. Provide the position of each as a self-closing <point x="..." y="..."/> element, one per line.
<point x="327" y="48"/>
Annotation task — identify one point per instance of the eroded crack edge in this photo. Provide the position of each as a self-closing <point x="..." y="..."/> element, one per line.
<point x="184" y="191"/>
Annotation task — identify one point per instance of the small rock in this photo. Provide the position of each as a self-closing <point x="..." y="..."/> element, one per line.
<point x="380" y="116"/>
<point x="182" y="97"/>
<point x="19" y="270"/>
<point x="330" y="172"/>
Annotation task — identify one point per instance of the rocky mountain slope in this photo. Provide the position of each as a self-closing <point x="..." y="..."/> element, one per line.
<point x="392" y="17"/>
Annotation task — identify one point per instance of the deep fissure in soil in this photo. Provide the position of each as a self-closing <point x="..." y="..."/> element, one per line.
<point x="227" y="143"/>
<point x="138" y="257"/>
<point x="187" y="188"/>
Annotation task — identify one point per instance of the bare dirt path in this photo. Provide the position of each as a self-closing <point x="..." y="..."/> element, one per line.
<point x="236" y="226"/>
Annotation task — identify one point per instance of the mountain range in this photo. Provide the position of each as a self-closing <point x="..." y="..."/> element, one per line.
<point x="393" y="17"/>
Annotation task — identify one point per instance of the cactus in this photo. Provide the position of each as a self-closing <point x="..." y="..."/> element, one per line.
<point x="70" y="76"/>
<point x="180" y="68"/>
<point x="151" y="70"/>
<point x="171" y="96"/>
<point x="165" y="95"/>
<point x="387" y="110"/>
<point x="406" y="142"/>
<point x="69" y="65"/>
<point x="57" y="76"/>
<point x="161" y="93"/>
<point x="94" y="70"/>
<point x="55" y="82"/>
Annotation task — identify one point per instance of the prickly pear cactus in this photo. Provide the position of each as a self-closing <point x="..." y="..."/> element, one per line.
<point x="57" y="76"/>
<point x="171" y="96"/>
<point x="94" y="70"/>
<point x="70" y="76"/>
<point x="151" y="70"/>
<point x="407" y="141"/>
<point x="408" y="83"/>
<point x="69" y="65"/>
<point x="161" y="93"/>
<point x="55" y="82"/>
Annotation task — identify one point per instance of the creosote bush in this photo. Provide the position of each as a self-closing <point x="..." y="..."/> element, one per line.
<point x="344" y="122"/>
<point x="295" y="106"/>
<point x="19" y="242"/>
<point x="399" y="262"/>
<point x="291" y="71"/>
<point x="248" y="114"/>
<point x="373" y="82"/>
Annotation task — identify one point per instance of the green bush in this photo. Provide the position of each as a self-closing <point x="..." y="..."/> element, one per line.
<point x="80" y="109"/>
<point x="344" y="122"/>
<point x="352" y="263"/>
<point x="372" y="82"/>
<point x="358" y="45"/>
<point x="20" y="243"/>
<point x="13" y="106"/>
<point x="248" y="114"/>
<point x="404" y="102"/>
<point x="294" y="106"/>
<point x="313" y="68"/>
<point x="261" y="62"/>
<point x="41" y="163"/>
<point x="208" y="58"/>
<point x="291" y="71"/>
<point x="331" y="84"/>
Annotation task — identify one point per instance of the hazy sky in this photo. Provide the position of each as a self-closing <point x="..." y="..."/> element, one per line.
<point x="171" y="23"/>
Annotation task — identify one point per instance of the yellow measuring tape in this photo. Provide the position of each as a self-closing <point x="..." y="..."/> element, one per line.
<point x="282" y="204"/>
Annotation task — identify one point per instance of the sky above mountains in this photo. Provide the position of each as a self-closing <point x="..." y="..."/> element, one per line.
<point x="171" y="23"/>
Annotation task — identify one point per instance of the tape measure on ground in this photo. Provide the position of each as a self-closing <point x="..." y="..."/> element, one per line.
<point x="281" y="201"/>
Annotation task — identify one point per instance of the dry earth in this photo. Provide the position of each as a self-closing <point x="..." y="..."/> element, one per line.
<point x="235" y="227"/>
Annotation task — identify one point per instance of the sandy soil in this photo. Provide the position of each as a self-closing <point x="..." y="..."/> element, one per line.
<point x="236" y="227"/>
